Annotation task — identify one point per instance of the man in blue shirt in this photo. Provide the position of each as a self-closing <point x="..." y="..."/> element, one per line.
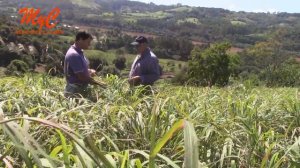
<point x="76" y="66"/>
<point x="145" y="68"/>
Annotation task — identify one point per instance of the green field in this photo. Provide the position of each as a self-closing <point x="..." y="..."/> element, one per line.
<point x="108" y="14"/>
<point x="181" y="9"/>
<point x="235" y="126"/>
<point x="234" y="22"/>
<point x="153" y="15"/>
<point x="189" y="20"/>
<point x="130" y="19"/>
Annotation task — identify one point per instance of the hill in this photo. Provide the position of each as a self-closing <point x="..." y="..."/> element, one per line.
<point x="260" y="42"/>
<point x="206" y="25"/>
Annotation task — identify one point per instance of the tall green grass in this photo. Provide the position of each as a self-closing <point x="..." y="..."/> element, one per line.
<point x="236" y="126"/>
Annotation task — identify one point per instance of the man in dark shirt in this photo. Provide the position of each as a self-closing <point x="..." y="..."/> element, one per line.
<point x="76" y="66"/>
<point x="145" y="68"/>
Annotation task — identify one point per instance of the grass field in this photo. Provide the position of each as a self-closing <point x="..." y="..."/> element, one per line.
<point x="238" y="23"/>
<point x="181" y="9"/>
<point x="189" y="20"/>
<point x="153" y="15"/>
<point x="235" y="126"/>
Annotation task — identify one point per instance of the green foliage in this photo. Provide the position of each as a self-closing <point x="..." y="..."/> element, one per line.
<point x="263" y="54"/>
<point x="16" y="67"/>
<point x="233" y="127"/>
<point x="98" y="64"/>
<point x="210" y="67"/>
<point x="181" y="77"/>
<point x="110" y="70"/>
<point x="7" y="56"/>
<point x="29" y="60"/>
<point x="234" y="64"/>
<point x="120" y="62"/>
<point x="287" y="75"/>
<point x="167" y="47"/>
<point x="250" y="80"/>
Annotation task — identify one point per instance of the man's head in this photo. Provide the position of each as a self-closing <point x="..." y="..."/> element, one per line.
<point x="141" y="43"/>
<point x="83" y="40"/>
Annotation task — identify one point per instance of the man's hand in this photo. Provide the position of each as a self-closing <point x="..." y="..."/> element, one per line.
<point x="134" y="81"/>
<point x="92" y="72"/>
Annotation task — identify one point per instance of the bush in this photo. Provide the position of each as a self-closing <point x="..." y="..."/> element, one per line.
<point x="120" y="62"/>
<point x="28" y="59"/>
<point x="285" y="75"/>
<point x="107" y="70"/>
<point x="181" y="77"/>
<point x="250" y="79"/>
<point x="16" y="67"/>
<point x="7" y="56"/>
<point x="98" y="63"/>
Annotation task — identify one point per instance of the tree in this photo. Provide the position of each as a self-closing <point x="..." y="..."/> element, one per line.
<point x="211" y="67"/>
<point x="265" y="54"/>
<point x="185" y="48"/>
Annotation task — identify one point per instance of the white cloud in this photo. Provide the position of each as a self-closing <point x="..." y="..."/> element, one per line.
<point x="232" y="7"/>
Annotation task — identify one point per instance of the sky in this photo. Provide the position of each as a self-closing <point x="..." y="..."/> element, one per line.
<point x="290" y="6"/>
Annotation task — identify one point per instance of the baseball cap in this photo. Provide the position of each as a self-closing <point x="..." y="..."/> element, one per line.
<point x="139" y="40"/>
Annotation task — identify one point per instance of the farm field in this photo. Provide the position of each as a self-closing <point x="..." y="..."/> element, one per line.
<point x="235" y="126"/>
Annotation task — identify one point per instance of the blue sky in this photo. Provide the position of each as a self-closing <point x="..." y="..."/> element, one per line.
<point x="290" y="6"/>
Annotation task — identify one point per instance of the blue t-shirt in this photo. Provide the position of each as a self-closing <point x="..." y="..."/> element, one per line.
<point x="75" y="62"/>
<point x="146" y="66"/>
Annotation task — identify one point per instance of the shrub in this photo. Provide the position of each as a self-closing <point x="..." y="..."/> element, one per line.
<point x="7" y="56"/>
<point x="287" y="75"/>
<point x="107" y="70"/>
<point x="181" y="77"/>
<point x="16" y="67"/>
<point x="120" y="62"/>
<point x="98" y="63"/>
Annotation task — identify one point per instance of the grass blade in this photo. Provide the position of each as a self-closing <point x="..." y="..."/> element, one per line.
<point x="191" y="153"/>
<point x="64" y="148"/>
<point x="161" y="142"/>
